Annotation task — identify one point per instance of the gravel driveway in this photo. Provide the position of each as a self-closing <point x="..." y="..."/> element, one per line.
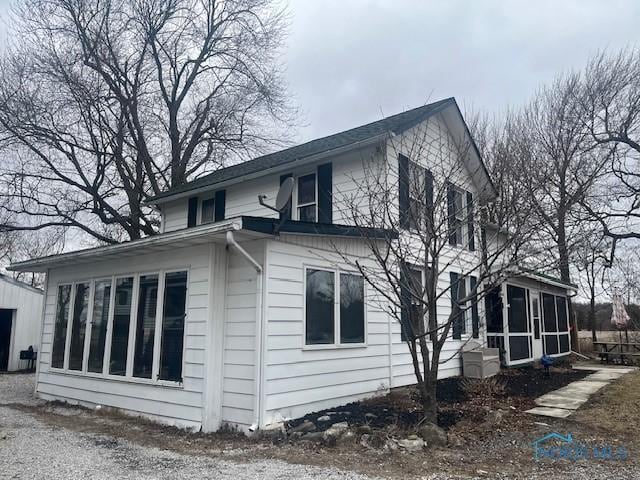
<point x="43" y="441"/>
<point x="31" y="449"/>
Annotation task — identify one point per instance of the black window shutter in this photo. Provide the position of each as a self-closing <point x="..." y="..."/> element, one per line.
<point x="475" y="318"/>
<point x="457" y="323"/>
<point x="470" y="227"/>
<point x="403" y="190"/>
<point x="451" y="213"/>
<point x="220" y="205"/>
<point x="325" y="193"/>
<point x="405" y="304"/>
<point x="192" y="212"/>
<point x="286" y="212"/>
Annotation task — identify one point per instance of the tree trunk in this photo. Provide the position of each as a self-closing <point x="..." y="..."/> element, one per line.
<point x="565" y="276"/>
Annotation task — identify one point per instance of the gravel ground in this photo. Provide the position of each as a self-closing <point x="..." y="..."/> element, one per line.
<point x="33" y="448"/>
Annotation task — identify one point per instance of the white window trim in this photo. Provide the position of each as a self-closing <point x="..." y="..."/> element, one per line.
<point x="128" y="377"/>
<point x="336" y="310"/>
<point x="295" y="215"/>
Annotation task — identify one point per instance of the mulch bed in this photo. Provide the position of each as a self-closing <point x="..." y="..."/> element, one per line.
<point x="458" y="399"/>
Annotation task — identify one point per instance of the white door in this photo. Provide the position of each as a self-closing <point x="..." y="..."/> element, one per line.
<point x="536" y="320"/>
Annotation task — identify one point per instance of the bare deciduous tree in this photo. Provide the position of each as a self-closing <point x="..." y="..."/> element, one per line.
<point x="422" y="224"/>
<point x="104" y="104"/>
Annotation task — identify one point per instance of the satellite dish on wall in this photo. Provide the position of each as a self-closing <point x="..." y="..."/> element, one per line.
<point x="282" y="198"/>
<point x="284" y="193"/>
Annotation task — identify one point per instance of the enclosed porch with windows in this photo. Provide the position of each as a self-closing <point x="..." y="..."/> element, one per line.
<point x="528" y="317"/>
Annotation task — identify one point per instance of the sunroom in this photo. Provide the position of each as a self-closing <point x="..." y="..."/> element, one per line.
<point x="528" y="316"/>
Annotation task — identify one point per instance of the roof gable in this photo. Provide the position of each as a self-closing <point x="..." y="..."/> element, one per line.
<point x="394" y="123"/>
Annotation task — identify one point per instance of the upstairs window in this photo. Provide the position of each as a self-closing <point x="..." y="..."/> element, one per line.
<point x="208" y="210"/>
<point x="307" y="198"/>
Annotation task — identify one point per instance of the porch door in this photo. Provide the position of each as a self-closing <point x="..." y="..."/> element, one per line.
<point x="536" y="319"/>
<point x="6" y="319"/>
<point x="520" y="348"/>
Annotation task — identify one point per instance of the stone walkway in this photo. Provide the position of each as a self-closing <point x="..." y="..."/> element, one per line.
<point x="563" y="402"/>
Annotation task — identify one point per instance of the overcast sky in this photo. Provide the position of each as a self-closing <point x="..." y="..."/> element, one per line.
<point x="350" y="62"/>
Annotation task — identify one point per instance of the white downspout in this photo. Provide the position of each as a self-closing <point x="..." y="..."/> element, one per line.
<point x="258" y="415"/>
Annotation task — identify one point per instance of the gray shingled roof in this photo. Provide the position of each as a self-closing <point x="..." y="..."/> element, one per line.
<point x="395" y="123"/>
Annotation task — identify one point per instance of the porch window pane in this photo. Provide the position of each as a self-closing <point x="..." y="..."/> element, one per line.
<point x="561" y="304"/>
<point x="121" y="320"/>
<point x="101" y="300"/>
<point x="549" y="311"/>
<point x="564" y="343"/>
<point x="172" y="341"/>
<point x="517" y="309"/>
<point x="60" y="330"/>
<point x="351" y="308"/>
<point x="145" y="326"/>
<point x="320" y="295"/>
<point x="519" y="347"/>
<point x="493" y="306"/>
<point x="79" y="326"/>
<point x="550" y="344"/>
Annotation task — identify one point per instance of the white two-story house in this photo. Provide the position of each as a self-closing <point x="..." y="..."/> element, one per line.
<point x="230" y="316"/>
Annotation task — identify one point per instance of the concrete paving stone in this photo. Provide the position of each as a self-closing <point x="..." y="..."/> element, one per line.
<point x="556" y="401"/>
<point x="604" y="376"/>
<point x="584" y="387"/>
<point x="550" y="412"/>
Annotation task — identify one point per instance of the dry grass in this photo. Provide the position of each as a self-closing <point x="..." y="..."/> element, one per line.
<point x="615" y="409"/>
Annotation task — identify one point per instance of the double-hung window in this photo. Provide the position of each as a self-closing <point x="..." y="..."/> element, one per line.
<point x="307" y="198"/>
<point x="334" y="307"/>
<point x="412" y="292"/>
<point x="133" y="325"/>
<point x="457" y="216"/>
<point x="208" y="210"/>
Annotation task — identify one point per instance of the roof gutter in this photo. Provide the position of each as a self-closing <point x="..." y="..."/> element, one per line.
<point x="41" y="264"/>
<point x="279" y="168"/>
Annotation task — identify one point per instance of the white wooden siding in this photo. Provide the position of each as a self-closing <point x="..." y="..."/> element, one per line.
<point x="178" y="405"/>
<point x="240" y="361"/>
<point x="242" y="198"/>
<point x="26" y="302"/>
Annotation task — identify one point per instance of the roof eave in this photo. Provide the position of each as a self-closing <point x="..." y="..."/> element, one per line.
<point x="161" y="199"/>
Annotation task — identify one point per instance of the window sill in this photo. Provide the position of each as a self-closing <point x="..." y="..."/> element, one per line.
<point x="333" y="346"/>
<point x="118" y="378"/>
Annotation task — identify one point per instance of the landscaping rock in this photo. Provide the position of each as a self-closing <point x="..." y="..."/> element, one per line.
<point x="274" y="432"/>
<point x="364" y="440"/>
<point x="347" y="438"/>
<point x="334" y="432"/>
<point x="433" y="435"/>
<point x="410" y="444"/>
<point x="362" y="429"/>
<point x="370" y="416"/>
<point x="306" y="426"/>
<point x="312" y="437"/>
<point x="324" y="418"/>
